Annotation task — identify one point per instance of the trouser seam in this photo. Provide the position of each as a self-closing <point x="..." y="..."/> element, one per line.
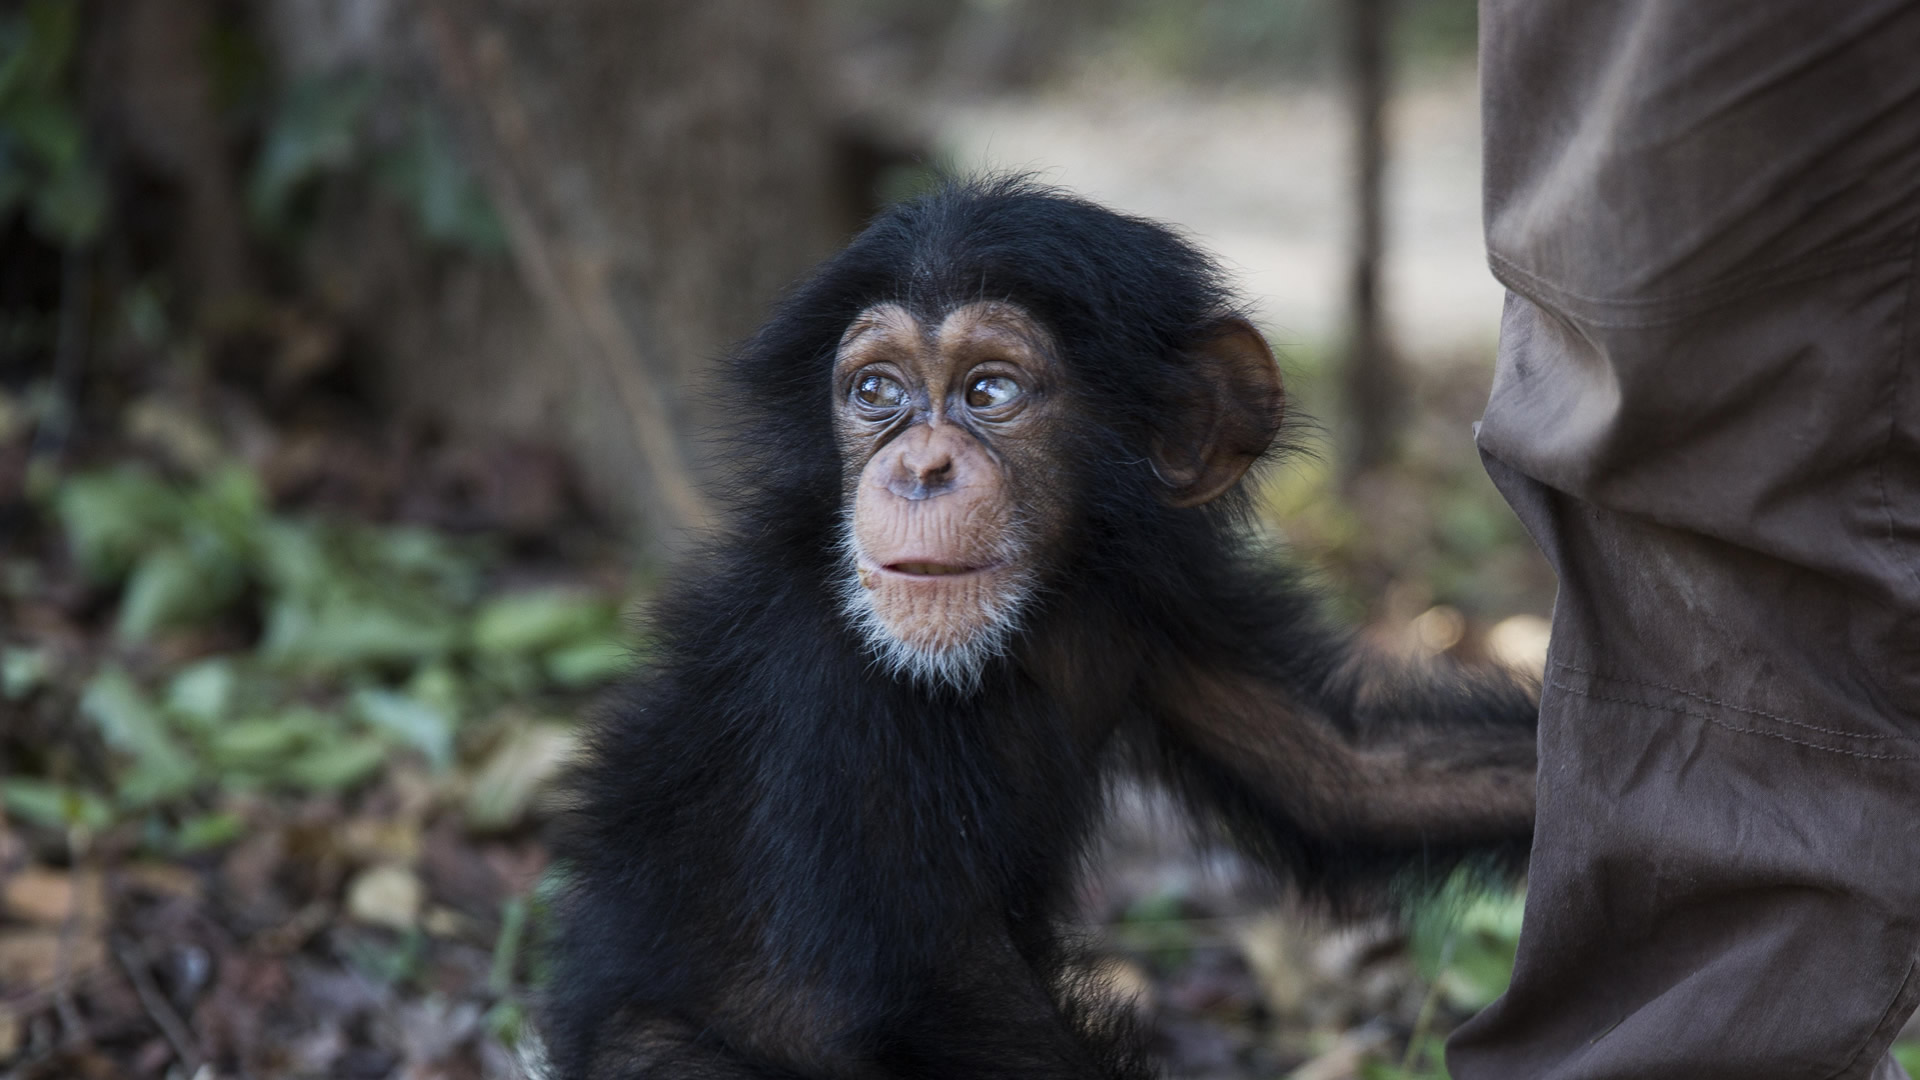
<point x="1728" y="704"/>
<point x="1689" y="304"/>
<point x="1717" y="722"/>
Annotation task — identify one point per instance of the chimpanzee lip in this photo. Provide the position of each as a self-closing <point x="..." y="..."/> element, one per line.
<point x="932" y="568"/>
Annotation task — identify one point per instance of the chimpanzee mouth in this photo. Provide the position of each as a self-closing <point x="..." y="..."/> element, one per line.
<point x="933" y="618"/>
<point x="932" y="569"/>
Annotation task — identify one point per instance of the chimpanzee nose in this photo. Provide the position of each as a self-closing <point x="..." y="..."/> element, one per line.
<point x="924" y="465"/>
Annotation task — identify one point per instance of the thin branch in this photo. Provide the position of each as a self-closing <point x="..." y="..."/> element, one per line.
<point x="572" y="288"/>
<point x="161" y="1011"/>
<point x="70" y="352"/>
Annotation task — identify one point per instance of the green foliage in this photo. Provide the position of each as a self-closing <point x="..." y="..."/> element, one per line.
<point x="1157" y="924"/>
<point x="45" y="166"/>
<point x="22" y="671"/>
<point x="374" y="641"/>
<point x="131" y="723"/>
<point x="315" y="132"/>
<point x="426" y="174"/>
<point x="1908" y="1055"/>
<point x="109" y="518"/>
<point x="54" y="805"/>
<point x="408" y="721"/>
<point x="507" y="948"/>
<point x="1464" y="939"/>
<point x="536" y="619"/>
<point x="322" y="131"/>
<point x="206" y="831"/>
<point x="347" y="597"/>
<point x="1426" y="1065"/>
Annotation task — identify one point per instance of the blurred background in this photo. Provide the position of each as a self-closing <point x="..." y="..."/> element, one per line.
<point x="350" y="361"/>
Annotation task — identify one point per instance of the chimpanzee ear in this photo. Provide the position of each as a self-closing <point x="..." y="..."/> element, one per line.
<point x="1226" y="419"/>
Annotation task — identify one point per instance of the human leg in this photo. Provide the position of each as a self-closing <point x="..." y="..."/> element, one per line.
<point x="1707" y="410"/>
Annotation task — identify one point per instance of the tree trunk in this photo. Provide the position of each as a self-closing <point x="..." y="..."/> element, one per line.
<point x="1374" y="393"/>
<point x="662" y="170"/>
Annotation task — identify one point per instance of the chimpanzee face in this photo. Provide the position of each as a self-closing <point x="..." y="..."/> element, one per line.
<point x="946" y="428"/>
<point x="957" y="500"/>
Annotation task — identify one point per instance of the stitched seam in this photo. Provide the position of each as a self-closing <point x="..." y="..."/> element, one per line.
<point x="1849" y="258"/>
<point x="1717" y="722"/>
<point x="1545" y="295"/>
<point x="1893" y="397"/>
<point x="1730" y="705"/>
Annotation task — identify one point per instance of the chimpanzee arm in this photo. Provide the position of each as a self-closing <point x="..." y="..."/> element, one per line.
<point x="1344" y="771"/>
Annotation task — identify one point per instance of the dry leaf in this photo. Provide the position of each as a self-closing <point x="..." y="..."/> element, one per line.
<point x="45" y="896"/>
<point x="32" y="958"/>
<point x="386" y="896"/>
<point x="163" y="879"/>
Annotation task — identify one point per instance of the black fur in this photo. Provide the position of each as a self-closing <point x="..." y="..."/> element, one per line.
<point x="782" y="862"/>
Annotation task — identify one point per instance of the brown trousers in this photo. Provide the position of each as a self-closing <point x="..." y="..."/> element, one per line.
<point x="1707" y="411"/>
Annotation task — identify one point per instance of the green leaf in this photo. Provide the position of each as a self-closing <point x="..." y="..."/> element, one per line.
<point x="449" y="205"/>
<point x="424" y="559"/>
<point x="1908" y="1055"/>
<point x="507" y="1020"/>
<point x="437" y="685"/>
<point x="54" y="805"/>
<point x="111" y="518"/>
<point x="337" y="765"/>
<point x="346" y="597"/>
<point x="506" y="948"/>
<point x="589" y="663"/>
<point x="541" y="619"/>
<point x="177" y="585"/>
<point x="231" y="501"/>
<point x="206" y="831"/>
<point x="53" y="28"/>
<point x="46" y="127"/>
<point x="22" y="671"/>
<point x="264" y="741"/>
<point x="203" y="692"/>
<point x="293" y="558"/>
<point x="340" y="631"/>
<point x="129" y="722"/>
<point x="315" y="131"/>
<point x="1484" y="931"/>
<point x="410" y="721"/>
<point x="70" y="205"/>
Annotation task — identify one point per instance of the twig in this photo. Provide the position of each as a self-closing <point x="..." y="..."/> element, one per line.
<point x="78" y="841"/>
<point x="70" y="352"/>
<point x="159" y="1009"/>
<point x="1422" y="1023"/>
<point x="506" y="948"/>
<point x="573" y="291"/>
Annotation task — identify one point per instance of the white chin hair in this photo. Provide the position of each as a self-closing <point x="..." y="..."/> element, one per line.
<point x="955" y="660"/>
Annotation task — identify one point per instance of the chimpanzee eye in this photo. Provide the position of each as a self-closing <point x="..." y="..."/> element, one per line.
<point x="985" y="393"/>
<point x="880" y="392"/>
